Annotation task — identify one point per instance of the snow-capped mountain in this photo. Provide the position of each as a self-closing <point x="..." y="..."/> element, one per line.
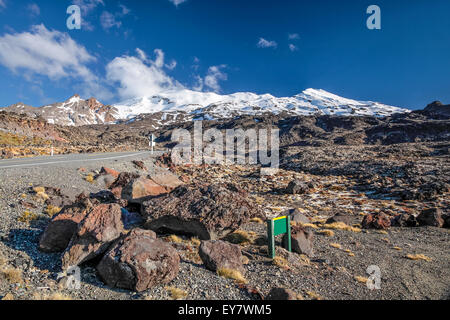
<point x="73" y="112"/>
<point x="185" y="104"/>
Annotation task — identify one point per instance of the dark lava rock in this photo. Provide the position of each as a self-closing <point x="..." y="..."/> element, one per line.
<point x="217" y="254"/>
<point x="281" y="294"/>
<point x="139" y="261"/>
<point x="101" y="226"/>
<point x="301" y="240"/>
<point x="431" y="217"/>
<point x="206" y="211"/>
<point x="297" y="187"/>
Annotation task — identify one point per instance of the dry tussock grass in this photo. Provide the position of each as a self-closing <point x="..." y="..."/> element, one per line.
<point x="176" y="293"/>
<point x="231" y="274"/>
<point x="418" y="256"/>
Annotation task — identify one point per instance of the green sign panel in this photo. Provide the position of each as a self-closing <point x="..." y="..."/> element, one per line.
<point x="275" y="227"/>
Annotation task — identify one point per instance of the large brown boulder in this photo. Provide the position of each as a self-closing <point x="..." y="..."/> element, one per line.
<point x="220" y="254"/>
<point x="139" y="261"/>
<point x="431" y="217"/>
<point x="62" y="227"/>
<point x="141" y="188"/>
<point x="206" y="211"/>
<point x="101" y="226"/>
<point x="301" y="240"/>
<point x="376" y="221"/>
<point x="167" y="179"/>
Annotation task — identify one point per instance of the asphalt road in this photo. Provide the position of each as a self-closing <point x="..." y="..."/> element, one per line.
<point x="71" y="158"/>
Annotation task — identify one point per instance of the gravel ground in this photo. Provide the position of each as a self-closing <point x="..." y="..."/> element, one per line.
<point x="329" y="275"/>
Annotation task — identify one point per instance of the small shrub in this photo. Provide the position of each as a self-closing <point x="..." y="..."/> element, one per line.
<point x="257" y="220"/>
<point x="340" y="226"/>
<point x="27" y="217"/>
<point x="361" y="279"/>
<point x="336" y="245"/>
<point x="281" y="262"/>
<point x="176" y="293"/>
<point x="174" y="238"/>
<point x="231" y="274"/>
<point x="418" y="256"/>
<point x="89" y="178"/>
<point x="12" y="275"/>
<point x="326" y="232"/>
<point x="195" y="241"/>
<point x="239" y="237"/>
<point x="52" y="210"/>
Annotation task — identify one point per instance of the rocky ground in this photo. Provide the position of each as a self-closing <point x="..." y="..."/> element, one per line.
<point x="378" y="192"/>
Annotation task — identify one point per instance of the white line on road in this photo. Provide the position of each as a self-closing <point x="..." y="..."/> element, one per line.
<point x="80" y="160"/>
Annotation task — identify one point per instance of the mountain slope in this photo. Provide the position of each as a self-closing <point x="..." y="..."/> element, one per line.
<point x="183" y="105"/>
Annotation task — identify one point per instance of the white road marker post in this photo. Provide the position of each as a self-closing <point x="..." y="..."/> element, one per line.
<point x="152" y="142"/>
<point x="52" y="152"/>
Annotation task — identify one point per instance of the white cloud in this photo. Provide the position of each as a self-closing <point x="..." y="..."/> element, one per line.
<point x="2" y="4"/>
<point x="108" y="21"/>
<point x="140" y="76"/>
<point x="263" y="43"/>
<point x="213" y="77"/>
<point x="177" y="2"/>
<point x="44" y="52"/>
<point x="53" y="54"/>
<point x="293" y="47"/>
<point x="34" y="9"/>
<point x="293" y="36"/>
<point x="125" y="10"/>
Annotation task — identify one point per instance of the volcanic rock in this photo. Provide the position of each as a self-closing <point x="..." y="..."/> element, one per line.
<point x="139" y="261"/>
<point x="217" y="254"/>
<point x="431" y="217"/>
<point x="297" y="187"/>
<point x="281" y="294"/>
<point x="62" y="227"/>
<point x="101" y="226"/>
<point x="206" y="211"/>
<point x="376" y="221"/>
<point x="301" y="240"/>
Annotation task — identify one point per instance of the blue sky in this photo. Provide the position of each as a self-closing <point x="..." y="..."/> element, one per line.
<point x="128" y="48"/>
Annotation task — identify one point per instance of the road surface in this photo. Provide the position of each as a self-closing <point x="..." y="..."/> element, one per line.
<point x="71" y="158"/>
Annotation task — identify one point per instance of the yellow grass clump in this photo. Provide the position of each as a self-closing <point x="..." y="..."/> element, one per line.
<point x="231" y="274"/>
<point x="12" y="275"/>
<point x="176" y="293"/>
<point x="280" y="262"/>
<point x="27" y="217"/>
<point x="89" y="178"/>
<point x="418" y="256"/>
<point x="195" y="241"/>
<point x="39" y="189"/>
<point x="361" y="279"/>
<point x="174" y="238"/>
<point x="336" y="245"/>
<point x="52" y="210"/>
<point x="397" y="248"/>
<point x="257" y="220"/>
<point x="340" y="226"/>
<point x="239" y="237"/>
<point x="326" y="232"/>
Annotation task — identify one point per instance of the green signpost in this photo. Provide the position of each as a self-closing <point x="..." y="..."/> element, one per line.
<point x="275" y="227"/>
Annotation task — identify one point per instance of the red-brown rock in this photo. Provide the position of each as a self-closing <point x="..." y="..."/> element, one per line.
<point x="101" y="226"/>
<point x="220" y="254"/>
<point x="139" y="261"/>
<point x="376" y="221"/>
<point x="301" y="240"/>
<point x="62" y="227"/>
